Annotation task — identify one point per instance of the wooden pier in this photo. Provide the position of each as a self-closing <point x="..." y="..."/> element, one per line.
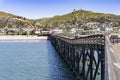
<point x="85" y="55"/>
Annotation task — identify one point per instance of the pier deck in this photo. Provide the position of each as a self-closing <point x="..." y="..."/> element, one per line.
<point x="116" y="48"/>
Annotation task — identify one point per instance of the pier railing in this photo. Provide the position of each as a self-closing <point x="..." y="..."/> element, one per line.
<point x="85" y="55"/>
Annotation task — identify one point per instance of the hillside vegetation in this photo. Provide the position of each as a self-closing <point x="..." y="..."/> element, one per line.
<point x="76" y="19"/>
<point x="12" y="21"/>
<point x="7" y="15"/>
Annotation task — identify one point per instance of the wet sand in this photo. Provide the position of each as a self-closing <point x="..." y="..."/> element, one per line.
<point x="22" y="37"/>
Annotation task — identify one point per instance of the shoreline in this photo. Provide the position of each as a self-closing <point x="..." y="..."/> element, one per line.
<point x="22" y="37"/>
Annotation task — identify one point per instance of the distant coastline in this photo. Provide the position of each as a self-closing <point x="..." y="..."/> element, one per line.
<point x="21" y="37"/>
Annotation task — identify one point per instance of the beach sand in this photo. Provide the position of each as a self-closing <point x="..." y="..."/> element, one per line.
<point x="22" y="37"/>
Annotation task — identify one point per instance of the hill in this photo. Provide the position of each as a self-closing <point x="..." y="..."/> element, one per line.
<point x="7" y="15"/>
<point x="12" y="21"/>
<point x="79" y="19"/>
<point x="76" y="17"/>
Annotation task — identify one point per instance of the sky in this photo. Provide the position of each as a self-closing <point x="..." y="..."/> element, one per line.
<point x="34" y="9"/>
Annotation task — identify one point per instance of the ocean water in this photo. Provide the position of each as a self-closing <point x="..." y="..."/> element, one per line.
<point x="32" y="60"/>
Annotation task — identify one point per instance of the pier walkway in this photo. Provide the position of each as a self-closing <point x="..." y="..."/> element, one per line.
<point x="113" y="55"/>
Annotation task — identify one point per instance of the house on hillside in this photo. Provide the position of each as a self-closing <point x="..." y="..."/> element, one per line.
<point x="57" y="31"/>
<point x="37" y="32"/>
<point x="2" y="31"/>
<point x="109" y="28"/>
<point x="116" y="28"/>
<point x="27" y="30"/>
<point x="12" y="31"/>
<point x="73" y="30"/>
<point x="92" y="25"/>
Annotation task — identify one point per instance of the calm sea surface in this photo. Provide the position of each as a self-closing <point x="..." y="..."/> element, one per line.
<point x="33" y="60"/>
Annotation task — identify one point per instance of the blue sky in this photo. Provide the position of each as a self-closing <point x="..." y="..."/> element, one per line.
<point x="34" y="9"/>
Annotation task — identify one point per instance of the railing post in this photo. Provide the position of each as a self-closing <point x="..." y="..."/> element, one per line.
<point x="83" y="62"/>
<point x="91" y="62"/>
<point x="103" y="60"/>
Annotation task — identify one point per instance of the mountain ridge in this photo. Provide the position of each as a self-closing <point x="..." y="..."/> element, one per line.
<point x="76" y="16"/>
